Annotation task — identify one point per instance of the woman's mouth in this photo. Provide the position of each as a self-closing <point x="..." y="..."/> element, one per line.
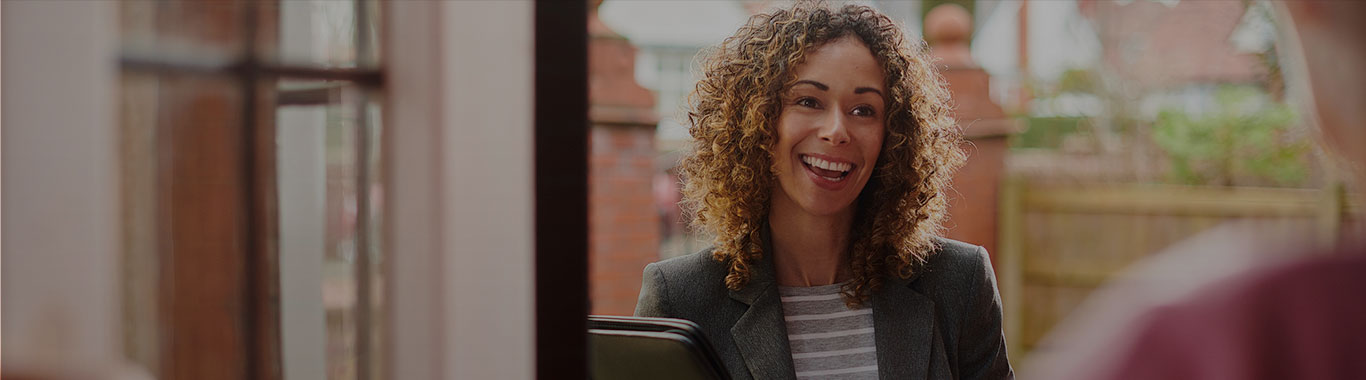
<point x="833" y="171"/>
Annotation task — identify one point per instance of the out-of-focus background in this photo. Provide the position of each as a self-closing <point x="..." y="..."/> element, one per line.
<point x="374" y="162"/>
<point x="1100" y="132"/>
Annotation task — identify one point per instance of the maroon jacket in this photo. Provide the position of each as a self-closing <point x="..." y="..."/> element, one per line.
<point x="1300" y="320"/>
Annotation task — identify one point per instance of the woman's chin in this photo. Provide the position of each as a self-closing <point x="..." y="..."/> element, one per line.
<point x="827" y="207"/>
<point x="813" y="200"/>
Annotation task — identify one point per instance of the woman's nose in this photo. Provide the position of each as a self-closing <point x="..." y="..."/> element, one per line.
<point x="835" y="130"/>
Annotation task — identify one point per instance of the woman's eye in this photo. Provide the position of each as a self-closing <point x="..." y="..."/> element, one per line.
<point x="807" y="102"/>
<point x="864" y="111"/>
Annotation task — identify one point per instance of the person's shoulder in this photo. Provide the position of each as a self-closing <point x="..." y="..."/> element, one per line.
<point x="953" y="271"/>
<point x="691" y="270"/>
<point x="692" y="264"/>
<point x="954" y="260"/>
<point x="1281" y="287"/>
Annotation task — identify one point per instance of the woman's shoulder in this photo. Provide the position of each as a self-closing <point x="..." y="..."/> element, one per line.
<point x="956" y="253"/>
<point x="691" y="269"/>
<point x="955" y="262"/>
<point x="682" y="287"/>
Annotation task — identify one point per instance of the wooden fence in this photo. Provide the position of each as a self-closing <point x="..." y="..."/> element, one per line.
<point x="1059" y="242"/>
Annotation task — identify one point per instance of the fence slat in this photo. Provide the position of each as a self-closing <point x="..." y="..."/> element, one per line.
<point x="1059" y="242"/>
<point x="1173" y="200"/>
<point x="1011" y="273"/>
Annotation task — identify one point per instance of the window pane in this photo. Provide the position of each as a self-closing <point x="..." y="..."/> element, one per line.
<point x="138" y="169"/>
<point x="205" y="30"/>
<point x="329" y="33"/>
<point x="329" y="244"/>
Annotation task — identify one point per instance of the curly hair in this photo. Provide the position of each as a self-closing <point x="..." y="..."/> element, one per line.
<point x="728" y="174"/>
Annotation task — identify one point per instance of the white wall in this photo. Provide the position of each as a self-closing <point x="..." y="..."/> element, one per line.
<point x="61" y="311"/>
<point x="459" y="225"/>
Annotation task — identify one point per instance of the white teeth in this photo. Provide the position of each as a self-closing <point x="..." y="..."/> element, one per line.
<point x="827" y="165"/>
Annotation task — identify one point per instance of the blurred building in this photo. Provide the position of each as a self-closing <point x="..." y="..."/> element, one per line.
<point x="624" y="223"/>
<point x="667" y="36"/>
<point x="1091" y="78"/>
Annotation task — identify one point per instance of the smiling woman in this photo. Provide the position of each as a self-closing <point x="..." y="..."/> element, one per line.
<point x="823" y="144"/>
<point x="830" y="127"/>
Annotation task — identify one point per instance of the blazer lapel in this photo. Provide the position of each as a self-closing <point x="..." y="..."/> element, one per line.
<point x="904" y="323"/>
<point x="761" y="333"/>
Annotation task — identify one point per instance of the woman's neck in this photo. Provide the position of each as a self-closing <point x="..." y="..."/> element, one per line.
<point x="809" y="250"/>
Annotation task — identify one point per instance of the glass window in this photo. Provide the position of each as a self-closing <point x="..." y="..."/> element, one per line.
<point x="251" y="195"/>
<point x="326" y="141"/>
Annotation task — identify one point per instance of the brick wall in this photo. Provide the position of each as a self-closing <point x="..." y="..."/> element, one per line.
<point x="623" y="232"/>
<point x="973" y="199"/>
<point x="624" y="224"/>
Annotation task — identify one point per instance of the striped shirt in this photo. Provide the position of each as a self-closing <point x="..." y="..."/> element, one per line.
<point x="828" y="340"/>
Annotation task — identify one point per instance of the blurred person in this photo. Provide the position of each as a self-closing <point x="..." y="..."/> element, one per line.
<point x="1237" y="303"/>
<point x="823" y="144"/>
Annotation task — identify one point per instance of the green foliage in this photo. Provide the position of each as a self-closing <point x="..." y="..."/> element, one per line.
<point x="1247" y="137"/>
<point x="1047" y="132"/>
<point x="1078" y="81"/>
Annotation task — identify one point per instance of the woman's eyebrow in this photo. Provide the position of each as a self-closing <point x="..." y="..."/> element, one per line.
<point x="823" y="87"/>
<point x="818" y="85"/>
<point x="861" y="90"/>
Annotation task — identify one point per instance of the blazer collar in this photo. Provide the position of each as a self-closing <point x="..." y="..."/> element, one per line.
<point x="903" y="321"/>
<point x="903" y="324"/>
<point x="762" y="280"/>
<point x="760" y="333"/>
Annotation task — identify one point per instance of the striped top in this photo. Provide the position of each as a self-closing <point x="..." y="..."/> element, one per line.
<point x="828" y="340"/>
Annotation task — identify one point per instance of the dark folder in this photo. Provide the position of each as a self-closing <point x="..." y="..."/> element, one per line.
<point x="650" y="348"/>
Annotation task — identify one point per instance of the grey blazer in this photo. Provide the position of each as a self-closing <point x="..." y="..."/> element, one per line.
<point x="942" y="323"/>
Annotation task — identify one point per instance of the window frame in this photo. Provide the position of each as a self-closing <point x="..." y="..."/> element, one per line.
<point x="558" y="223"/>
<point x="253" y="282"/>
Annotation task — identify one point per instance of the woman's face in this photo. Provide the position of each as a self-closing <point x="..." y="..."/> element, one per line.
<point x="830" y="128"/>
